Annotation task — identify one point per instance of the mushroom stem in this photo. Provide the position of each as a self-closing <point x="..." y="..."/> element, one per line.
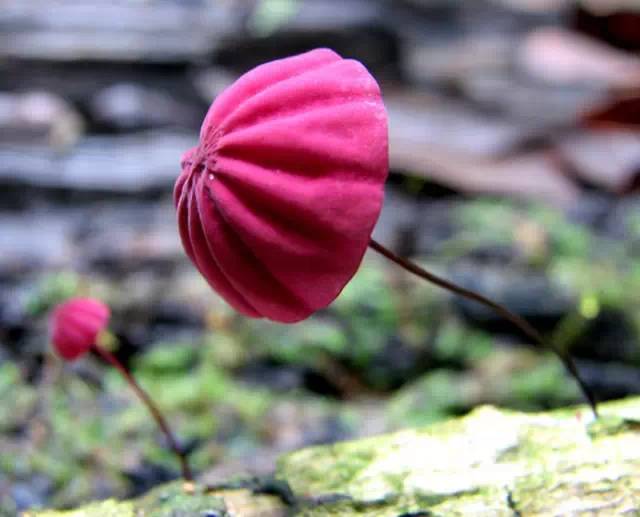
<point x="153" y="409"/>
<point x="518" y="321"/>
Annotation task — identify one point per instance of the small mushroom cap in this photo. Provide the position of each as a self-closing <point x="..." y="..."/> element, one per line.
<point x="75" y="325"/>
<point x="277" y="203"/>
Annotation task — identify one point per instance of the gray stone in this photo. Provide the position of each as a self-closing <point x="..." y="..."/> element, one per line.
<point x="113" y="31"/>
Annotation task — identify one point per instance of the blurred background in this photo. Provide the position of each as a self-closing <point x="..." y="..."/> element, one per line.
<point x="515" y="161"/>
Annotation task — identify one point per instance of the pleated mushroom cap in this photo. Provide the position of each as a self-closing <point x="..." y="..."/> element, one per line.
<point x="277" y="203"/>
<point x="75" y="325"/>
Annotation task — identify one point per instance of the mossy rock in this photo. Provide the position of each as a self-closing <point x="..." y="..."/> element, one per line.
<point x="181" y="500"/>
<point x="490" y="462"/>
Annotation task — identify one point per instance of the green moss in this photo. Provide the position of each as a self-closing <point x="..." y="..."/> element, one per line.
<point x="368" y="311"/>
<point x="491" y="462"/>
<point x="108" y="508"/>
<point x="546" y="381"/>
<point x="515" y="378"/>
<point x="181" y="500"/>
<point x="337" y="477"/>
<point x="271" y="15"/>
<point x="355" y="328"/>
<point x="51" y="290"/>
<point x="167" y="359"/>
<point x="429" y="399"/>
<point x="308" y="342"/>
<point x="610" y="425"/>
<point x="22" y="396"/>
<point x="167" y="501"/>
<point x="488" y="462"/>
<point x="567" y="239"/>
<point x="482" y="221"/>
<point x="455" y="343"/>
<point x="496" y="221"/>
<point x="385" y="507"/>
<point x="602" y="273"/>
<point x="603" y="281"/>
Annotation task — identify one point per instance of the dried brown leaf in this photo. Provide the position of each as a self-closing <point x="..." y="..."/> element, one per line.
<point x="608" y="159"/>
<point x="561" y="56"/>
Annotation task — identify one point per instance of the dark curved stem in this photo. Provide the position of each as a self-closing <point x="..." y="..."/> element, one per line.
<point x="518" y="321"/>
<point x="153" y="409"/>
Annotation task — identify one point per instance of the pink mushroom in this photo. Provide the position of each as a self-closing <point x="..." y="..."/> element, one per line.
<point x="277" y="203"/>
<point x="76" y="325"/>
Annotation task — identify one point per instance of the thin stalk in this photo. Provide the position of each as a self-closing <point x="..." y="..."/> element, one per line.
<point x="153" y="409"/>
<point x="518" y="321"/>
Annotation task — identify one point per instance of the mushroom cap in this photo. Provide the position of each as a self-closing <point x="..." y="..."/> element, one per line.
<point x="75" y="325"/>
<point x="277" y="203"/>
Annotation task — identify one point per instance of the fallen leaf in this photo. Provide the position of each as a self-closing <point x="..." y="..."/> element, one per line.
<point x="532" y="176"/>
<point x="608" y="159"/>
<point x="417" y="118"/>
<point x="561" y="56"/>
<point x="620" y="111"/>
<point x="615" y="21"/>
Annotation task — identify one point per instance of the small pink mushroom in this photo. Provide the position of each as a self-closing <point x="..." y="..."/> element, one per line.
<point x="76" y="324"/>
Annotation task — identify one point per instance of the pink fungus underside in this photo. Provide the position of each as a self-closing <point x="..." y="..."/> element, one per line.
<point x="277" y="203"/>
